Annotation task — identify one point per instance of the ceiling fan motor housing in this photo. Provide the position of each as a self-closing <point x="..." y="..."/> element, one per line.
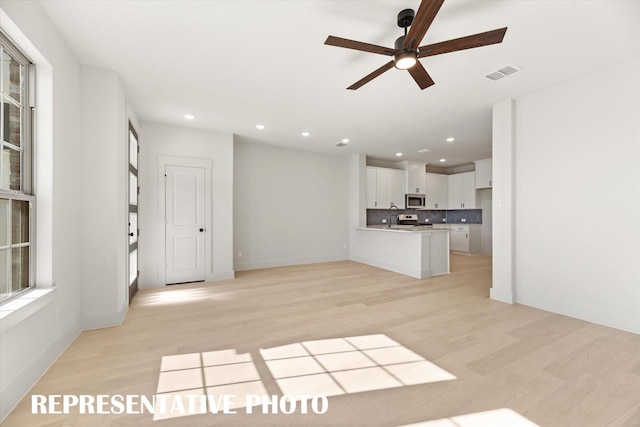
<point x="405" y="18"/>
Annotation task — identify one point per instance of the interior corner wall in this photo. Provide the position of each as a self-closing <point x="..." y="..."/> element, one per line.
<point x="176" y="141"/>
<point x="577" y="187"/>
<point x="291" y="207"/>
<point x="29" y="348"/>
<point x="103" y="200"/>
<point x="502" y="221"/>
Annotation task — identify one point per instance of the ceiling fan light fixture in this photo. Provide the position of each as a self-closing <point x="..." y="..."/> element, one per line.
<point x="405" y="60"/>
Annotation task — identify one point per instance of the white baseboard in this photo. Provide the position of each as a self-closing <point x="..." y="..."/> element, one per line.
<point x="13" y="393"/>
<point x="108" y="320"/>
<point x="287" y="262"/>
<point x="589" y="314"/>
<point x="221" y="276"/>
<point x="501" y="295"/>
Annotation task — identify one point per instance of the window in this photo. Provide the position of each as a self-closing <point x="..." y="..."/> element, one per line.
<point x="17" y="202"/>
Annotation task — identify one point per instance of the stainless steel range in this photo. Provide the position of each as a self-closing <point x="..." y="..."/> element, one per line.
<point x="411" y="221"/>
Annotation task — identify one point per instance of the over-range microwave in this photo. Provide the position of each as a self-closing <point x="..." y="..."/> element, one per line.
<point x="414" y="201"/>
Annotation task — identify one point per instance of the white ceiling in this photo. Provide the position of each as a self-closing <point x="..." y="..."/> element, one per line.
<point x="235" y="64"/>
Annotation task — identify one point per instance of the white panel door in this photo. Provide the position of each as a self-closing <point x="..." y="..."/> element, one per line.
<point x="185" y="224"/>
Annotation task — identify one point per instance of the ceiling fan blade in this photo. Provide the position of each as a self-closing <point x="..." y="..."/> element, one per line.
<point x="365" y="47"/>
<point x="462" y="43"/>
<point x="424" y="17"/>
<point x="369" y="77"/>
<point x="421" y="76"/>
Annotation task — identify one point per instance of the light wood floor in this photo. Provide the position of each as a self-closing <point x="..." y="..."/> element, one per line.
<point x="551" y="369"/>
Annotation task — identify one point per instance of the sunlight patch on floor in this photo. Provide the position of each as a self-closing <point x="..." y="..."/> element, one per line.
<point x="213" y="373"/>
<point x="348" y="365"/>
<point x="503" y="417"/>
<point x="302" y="370"/>
<point x="170" y="296"/>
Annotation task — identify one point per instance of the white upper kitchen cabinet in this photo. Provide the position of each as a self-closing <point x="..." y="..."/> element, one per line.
<point x="462" y="190"/>
<point x="416" y="177"/>
<point x="483" y="173"/>
<point x="397" y="187"/>
<point x="437" y="191"/>
<point x="372" y="188"/>
<point x="385" y="186"/>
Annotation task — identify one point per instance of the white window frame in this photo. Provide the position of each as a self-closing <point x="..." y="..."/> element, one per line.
<point x="26" y="191"/>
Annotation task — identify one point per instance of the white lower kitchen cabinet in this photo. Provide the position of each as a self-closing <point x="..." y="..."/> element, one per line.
<point x="420" y="254"/>
<point x="465" y="238"/>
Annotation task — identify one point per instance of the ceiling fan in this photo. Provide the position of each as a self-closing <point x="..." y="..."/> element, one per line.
<point x="406" y="51"/>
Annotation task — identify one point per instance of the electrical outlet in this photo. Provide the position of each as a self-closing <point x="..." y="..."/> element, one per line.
<point x="463" y="220"/>
<point x="384" y="221"/>
<point x="426" y="220"/>
<point x="239" y="254"/>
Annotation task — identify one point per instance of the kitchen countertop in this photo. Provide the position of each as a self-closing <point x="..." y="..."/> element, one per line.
<point x="403" y="229"/>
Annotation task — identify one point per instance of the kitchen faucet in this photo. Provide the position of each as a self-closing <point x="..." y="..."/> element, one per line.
<point x="391" y="207"/>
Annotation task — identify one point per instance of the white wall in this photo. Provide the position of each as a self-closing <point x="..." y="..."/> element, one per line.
<point x="164" y="140"/>
<point x="29" y="348"/>
<point x="103" y="227"/>
<point x="577" y="198"/>
<point x="290" y="207"/>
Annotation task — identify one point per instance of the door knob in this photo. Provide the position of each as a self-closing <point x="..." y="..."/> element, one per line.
<point x="131" y="234"/>
<point x="201" y="230"/>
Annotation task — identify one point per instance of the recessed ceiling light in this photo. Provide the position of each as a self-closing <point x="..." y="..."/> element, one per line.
<point x="398" y="154"/>
<point x="305" y="134"/>
<point x="189" y="116"/>
<point x="443" y="160"/>
<point x="451" y="139"/>
<point x="260" y="127"/>
<point x="424" y="150"/>
<point x="345" y="140"/>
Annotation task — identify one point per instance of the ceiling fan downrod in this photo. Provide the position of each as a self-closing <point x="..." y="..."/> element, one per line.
<point x="405" y="58"/>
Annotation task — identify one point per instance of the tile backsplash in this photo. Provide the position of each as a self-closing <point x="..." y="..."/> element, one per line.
<point x="472" y="216"/>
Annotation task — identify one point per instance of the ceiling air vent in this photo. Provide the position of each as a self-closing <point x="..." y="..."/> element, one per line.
<point x="339" y="144"/>
<point x="503" y="72"/>
<point x="508" y="69"/>
<point x="495" y="75"/>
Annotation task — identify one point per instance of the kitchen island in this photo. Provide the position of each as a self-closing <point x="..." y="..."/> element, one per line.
<point x="415" y="252"/>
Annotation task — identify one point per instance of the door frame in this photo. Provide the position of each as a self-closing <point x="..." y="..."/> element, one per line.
<point x="132" y="287"/>
<point x="207" y="165"/>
